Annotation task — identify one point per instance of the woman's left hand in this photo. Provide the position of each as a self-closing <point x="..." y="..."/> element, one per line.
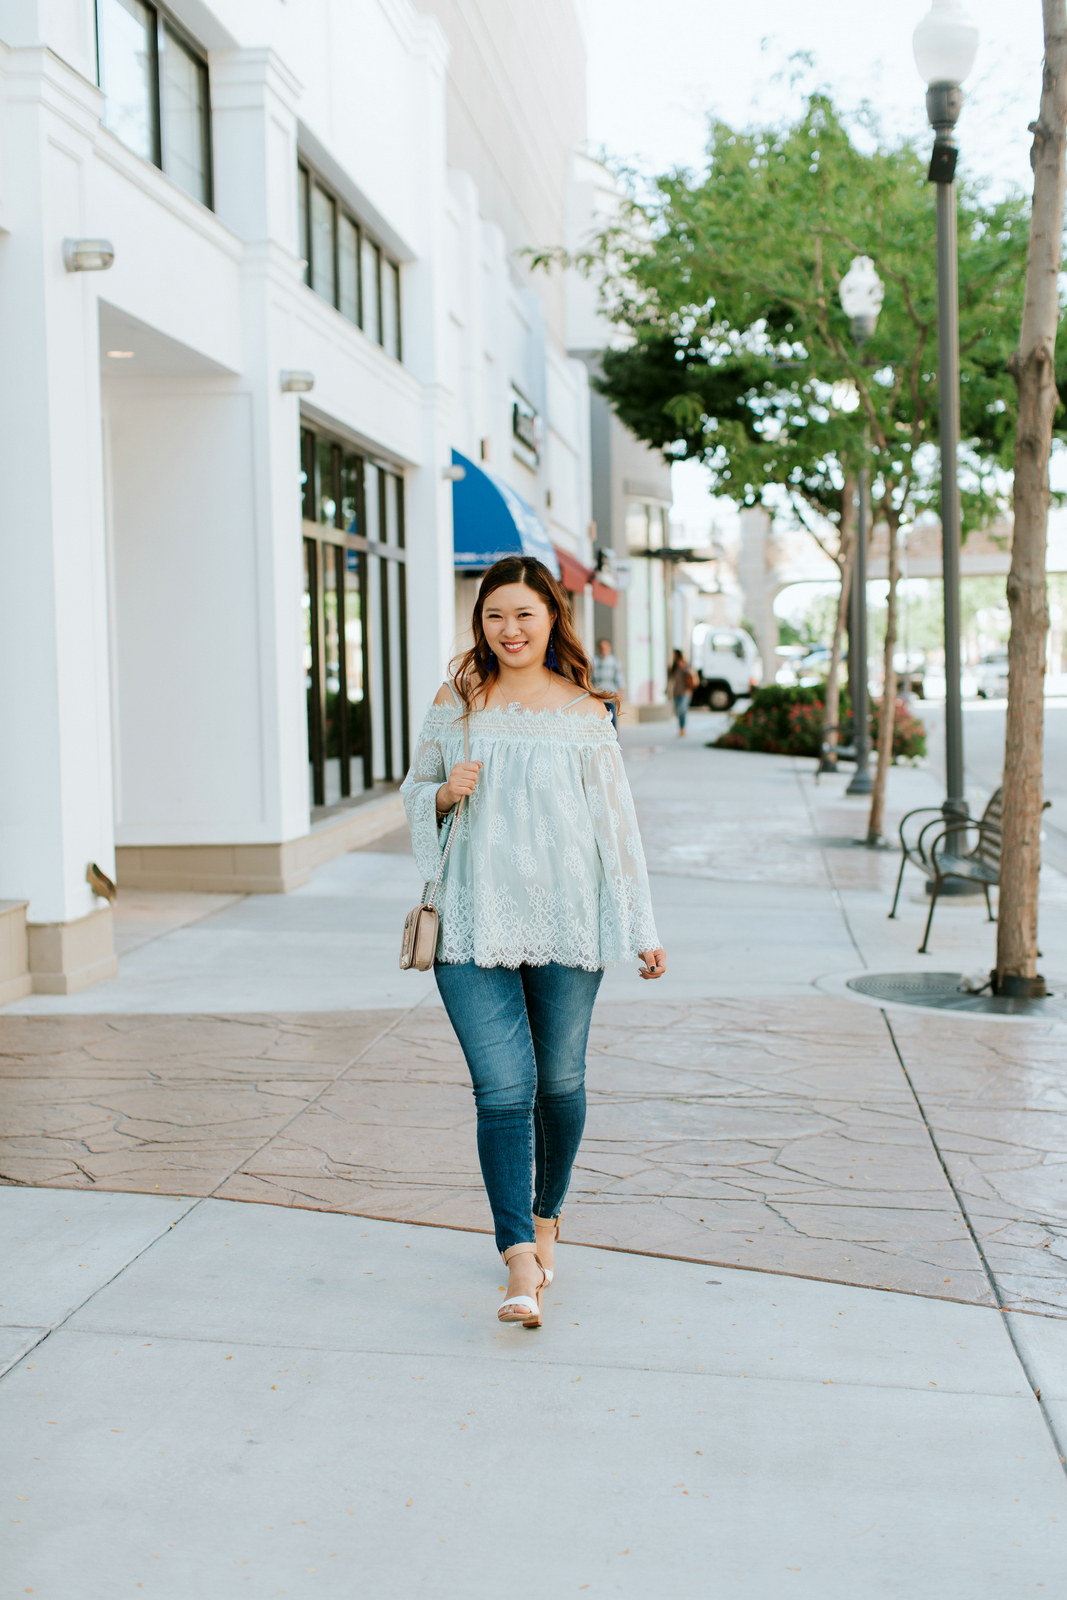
<point x="655" y="964"/>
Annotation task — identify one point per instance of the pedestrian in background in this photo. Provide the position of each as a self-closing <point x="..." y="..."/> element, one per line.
<point x="681" y="683"/>
<point x="607" y="676"/>
<point x="544" y="887"/>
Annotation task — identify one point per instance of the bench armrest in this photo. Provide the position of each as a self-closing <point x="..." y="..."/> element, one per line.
<point x="933" y="811"/>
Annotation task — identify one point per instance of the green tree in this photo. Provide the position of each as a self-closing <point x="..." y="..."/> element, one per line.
<point x="1033" y="367"/>
<point x="741" y="355"/>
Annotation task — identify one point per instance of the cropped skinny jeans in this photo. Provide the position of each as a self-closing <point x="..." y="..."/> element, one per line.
<point x="523" y="1032"/>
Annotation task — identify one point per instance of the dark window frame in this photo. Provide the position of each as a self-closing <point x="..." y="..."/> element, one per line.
<point x="315" y="446"/>
<point x="164" y="21"/>
<point x="309" y="177"/>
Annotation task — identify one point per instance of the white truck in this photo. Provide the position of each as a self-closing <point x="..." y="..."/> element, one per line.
<point x="728" y="665"/>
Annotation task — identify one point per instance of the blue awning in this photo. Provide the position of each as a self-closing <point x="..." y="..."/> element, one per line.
<point x="490" y="521"/>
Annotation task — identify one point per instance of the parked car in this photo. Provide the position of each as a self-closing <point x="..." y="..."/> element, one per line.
<point x="813" y="667"/>
<point x="727" y="663"/>
<point x="992" y="675"/>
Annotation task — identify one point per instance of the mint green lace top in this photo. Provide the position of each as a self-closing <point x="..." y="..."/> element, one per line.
<point x="547" y="863"/>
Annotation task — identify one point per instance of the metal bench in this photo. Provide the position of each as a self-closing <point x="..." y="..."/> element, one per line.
<point x="938" y="849"/>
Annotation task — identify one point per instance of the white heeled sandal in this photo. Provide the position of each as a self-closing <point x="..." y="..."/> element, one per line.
<point x="524" y="1308"/>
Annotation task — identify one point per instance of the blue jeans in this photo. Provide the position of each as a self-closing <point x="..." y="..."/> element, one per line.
<point x="681" y="706"/>
<point x="524" y="1033"/>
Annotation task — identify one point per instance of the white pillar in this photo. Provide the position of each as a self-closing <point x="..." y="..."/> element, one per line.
<point x="431" y="560"/>
<point x="55" y="733"/>
<point x="254" y="100"/>
<point x="756" y="583"/>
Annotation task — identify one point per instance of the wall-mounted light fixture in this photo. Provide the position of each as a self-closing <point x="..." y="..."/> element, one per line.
<point x="88" y="255"/>
<point x="298" y="382"/>
<point x="454" y="474"/>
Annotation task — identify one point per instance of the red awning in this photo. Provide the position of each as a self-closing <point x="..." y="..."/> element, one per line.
<point x="573" y="575"/>
<point x="606" y="596"/>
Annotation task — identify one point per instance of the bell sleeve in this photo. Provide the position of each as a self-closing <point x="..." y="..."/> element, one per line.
<point x="419" y="792"/>
<point x="627" y="926"/>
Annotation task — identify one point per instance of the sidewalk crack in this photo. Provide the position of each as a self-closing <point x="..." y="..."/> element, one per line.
<point x="1058" y="1445"/>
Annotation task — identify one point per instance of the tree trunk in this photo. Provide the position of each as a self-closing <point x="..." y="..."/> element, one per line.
<point x="887" y="715"/>
<point x="1032" y="367"/>
<point x="846" y="546"/>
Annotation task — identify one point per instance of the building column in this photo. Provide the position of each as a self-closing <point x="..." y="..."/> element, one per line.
<point x="754" y="572"/>
<point x="431" y="578"/>
<point x="254" y="109"/>
<point x="55" y="717"/>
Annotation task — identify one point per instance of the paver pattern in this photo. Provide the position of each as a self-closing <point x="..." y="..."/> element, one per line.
<point x="779" y="1134"/>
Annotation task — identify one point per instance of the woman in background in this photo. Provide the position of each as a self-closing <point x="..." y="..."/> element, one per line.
<point x="681" y="683"/>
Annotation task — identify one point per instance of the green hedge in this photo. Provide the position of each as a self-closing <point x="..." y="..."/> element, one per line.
<point x="789" y="722"/>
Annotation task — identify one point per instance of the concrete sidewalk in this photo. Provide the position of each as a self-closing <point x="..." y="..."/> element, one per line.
<point x="818" y="1284"/>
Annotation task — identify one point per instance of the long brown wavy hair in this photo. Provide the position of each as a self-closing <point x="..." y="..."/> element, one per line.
<point x="474" y="669"/>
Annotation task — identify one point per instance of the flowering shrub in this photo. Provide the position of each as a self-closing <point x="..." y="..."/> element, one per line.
<point x="789" y="722"/>
<point x="909" y="734"/>
<point x="780" y="721"/>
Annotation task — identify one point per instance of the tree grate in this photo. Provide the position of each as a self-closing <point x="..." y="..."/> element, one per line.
<point x="948" y="991"/>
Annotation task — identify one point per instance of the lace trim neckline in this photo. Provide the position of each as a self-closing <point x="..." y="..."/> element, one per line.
<point x="518" y="712"/>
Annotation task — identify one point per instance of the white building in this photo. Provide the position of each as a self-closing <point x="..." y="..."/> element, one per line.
<point x="227" y="595"/>
<point x="631" y="484"/>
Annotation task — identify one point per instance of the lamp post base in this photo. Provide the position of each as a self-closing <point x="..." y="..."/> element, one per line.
<point x="862" y="783"/>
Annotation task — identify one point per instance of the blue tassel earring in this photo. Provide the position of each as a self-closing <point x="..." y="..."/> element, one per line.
<point x="550" y="654"/>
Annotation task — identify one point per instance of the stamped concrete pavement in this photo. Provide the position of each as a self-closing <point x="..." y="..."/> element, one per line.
<point x="760" y="1140"/>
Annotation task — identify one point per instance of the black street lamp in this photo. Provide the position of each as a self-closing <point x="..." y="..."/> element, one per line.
<point x="862" y="291"/>
<point x="945" y="44"/>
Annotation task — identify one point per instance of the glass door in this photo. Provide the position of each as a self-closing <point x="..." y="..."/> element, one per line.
<point x="355" y="623"/>
<point x="314" y="680"/>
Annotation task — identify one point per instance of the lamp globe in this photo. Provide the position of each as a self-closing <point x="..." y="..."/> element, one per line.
<point x="945" y="43"/>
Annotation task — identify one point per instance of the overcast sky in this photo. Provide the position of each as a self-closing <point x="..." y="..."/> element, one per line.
<point x="658" y="67"/>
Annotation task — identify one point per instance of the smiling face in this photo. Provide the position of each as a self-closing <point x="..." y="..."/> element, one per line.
<point x="517" y="623"/>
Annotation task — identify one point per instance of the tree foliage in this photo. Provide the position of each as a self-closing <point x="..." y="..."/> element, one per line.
<point x="740" y="354"/>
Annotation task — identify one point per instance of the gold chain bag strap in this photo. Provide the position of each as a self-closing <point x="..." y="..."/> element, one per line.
<point x="422" y="925"/>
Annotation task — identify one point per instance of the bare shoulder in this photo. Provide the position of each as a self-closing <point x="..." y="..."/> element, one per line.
<point x="596" y="705"/>
<point x="443" y="697"/>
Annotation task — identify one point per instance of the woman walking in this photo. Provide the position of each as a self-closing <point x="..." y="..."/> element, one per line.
<point x="544" y="887"/>
<point x="681" y="685"/>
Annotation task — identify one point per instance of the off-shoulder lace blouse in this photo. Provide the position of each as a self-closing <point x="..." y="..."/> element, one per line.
<point x="547" y="863"/>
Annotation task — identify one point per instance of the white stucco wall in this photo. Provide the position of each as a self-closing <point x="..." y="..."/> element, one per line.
<point x="151" y="685"/>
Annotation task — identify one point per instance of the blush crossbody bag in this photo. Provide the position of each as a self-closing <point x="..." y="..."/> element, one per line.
<point x="423" y="924"/>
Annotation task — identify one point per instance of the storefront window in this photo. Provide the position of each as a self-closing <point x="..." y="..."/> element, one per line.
<point x="344" y="265"/>
<point x="126" y="38"/>
<point x="323" y="242"/>
<point x="156" y="96"/>
<point x="372" y="324"/>
<point x="183" y="103"/>
<point x="348" y="270"/>
<point x="390" y="334"/>
<point x="355" y="634"/>
<point x="351" y="475"/>
<point x="327" y="468"/>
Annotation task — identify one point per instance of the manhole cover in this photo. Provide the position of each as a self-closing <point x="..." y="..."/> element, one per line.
<point x="945" y="991"/>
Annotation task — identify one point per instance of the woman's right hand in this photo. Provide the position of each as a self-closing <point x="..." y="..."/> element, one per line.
<point x="462" y="781"/>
